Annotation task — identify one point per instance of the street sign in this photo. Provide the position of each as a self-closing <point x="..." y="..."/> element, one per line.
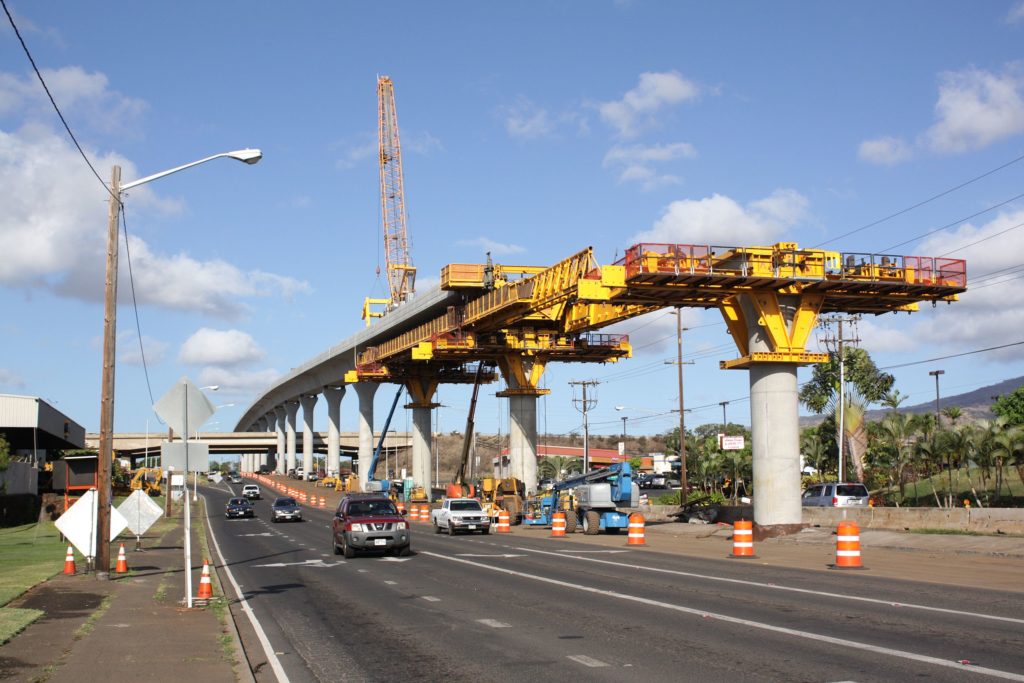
<point x="78" y="524"/>
<point x="140" y="512"/>
<point x="730" y="443"/>
<point x="173" y="455"/>
<point x="184" y="408"/>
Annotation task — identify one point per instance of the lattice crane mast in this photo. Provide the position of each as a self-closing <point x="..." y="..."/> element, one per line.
<point x="401" y="273"/>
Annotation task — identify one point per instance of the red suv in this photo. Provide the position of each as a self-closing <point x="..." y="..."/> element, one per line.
<point x="369" y="522"/>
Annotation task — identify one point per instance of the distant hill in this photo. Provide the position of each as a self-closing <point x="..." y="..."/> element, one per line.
<point x="976" y="405"/>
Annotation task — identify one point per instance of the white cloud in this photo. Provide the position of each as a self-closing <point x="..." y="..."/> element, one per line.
<point x="637" y="162"/>
<point x="884" y="334"/>
<point x="356" y="154"/>
<point x="721" y="220"/>
<point x="526" y="120"/>
<point x="635" y="111"/>
<point x="129" y="353"/>
<point x="991" y="312"/>
<point x="496" y="248"/>
<point x="220" y="347"/>
<point x="976" y="108"/>
<point x="1016" y="13"/>
<point x="234" y="381"/>
<point x="11" y="380"/>
<point x="885" y="151"/>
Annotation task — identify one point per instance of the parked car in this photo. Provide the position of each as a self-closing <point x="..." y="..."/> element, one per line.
<point x="251" y="491"/>
<point x="238" y="507"/>
<point x="833" y="494"/>
<point x="369" y="522"/>
<point x="650" y="480"/>
<point x="313" y="476"/>
<point x="285" y="508"/>
<point x="300" y="473"/>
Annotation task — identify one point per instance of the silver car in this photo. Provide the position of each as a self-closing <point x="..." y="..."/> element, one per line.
<point x="833" y="494"/>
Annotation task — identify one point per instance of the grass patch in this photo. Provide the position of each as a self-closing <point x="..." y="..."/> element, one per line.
<point x="948" y="532"/>
<point x="29" y="555"/>
<point x="14" y="620"/>
<point x="87" y="628"/>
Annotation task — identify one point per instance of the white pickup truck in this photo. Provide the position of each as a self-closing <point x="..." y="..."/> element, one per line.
<point x="460" y="514"/>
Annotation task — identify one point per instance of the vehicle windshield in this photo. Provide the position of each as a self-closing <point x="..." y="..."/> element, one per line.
<point x="238" y="501"/>
<point x="284" y="502"/>
<point x="465" y="505"/>
<point x="367" y="508"/>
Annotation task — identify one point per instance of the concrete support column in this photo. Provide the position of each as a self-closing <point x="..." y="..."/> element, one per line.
<point x="422" y="443"/>
<point x="775" y="436"/>
<point x="334" y="396"/>
<point x="365" y="392"/>
<point x="308" y="403"/>
<point x="523" y="440"/>
<point x="292" y="409"/>
<point x="279" y="428"/>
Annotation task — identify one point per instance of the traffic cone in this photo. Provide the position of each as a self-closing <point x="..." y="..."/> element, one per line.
<point x="636" y="530"/>
<point x="69" y="562"/>
<point x="122" y="562"/>
<point x="205" y="586"/>
<point x="743" y="540"/>
<point x="558" y="525"/>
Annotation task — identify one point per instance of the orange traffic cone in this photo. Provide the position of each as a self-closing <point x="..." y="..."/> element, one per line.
<point x="122" y="562"/>
<point x="743" y="540"/>
<point x="69" y="562"/>
<point x="636" y="530"/>
<point x="205" y="586"/>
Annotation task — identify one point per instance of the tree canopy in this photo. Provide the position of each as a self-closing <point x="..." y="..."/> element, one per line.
<point x="1011" y="406"/>
<point x="861" y="373"/>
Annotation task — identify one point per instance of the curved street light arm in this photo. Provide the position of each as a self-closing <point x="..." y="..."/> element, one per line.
<point x="249" y="156"/>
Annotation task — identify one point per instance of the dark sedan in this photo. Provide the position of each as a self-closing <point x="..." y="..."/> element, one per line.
<point x="238" y="507"/>
<point x="285" y="509"/>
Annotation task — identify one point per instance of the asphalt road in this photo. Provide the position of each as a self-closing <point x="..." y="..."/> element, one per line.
<point x="528" y="607"/>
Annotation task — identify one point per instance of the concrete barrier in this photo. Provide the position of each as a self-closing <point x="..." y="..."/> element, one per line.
<point x="982" y="520"/>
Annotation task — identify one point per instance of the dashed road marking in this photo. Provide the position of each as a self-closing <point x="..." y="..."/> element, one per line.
<point x="431" y="598"/>
<point x="493" y="623"/>
<point x="391" y="583"/>
<point x="587" y="661"/>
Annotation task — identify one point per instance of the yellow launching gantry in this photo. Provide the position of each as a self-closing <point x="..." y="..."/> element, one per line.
<point x="770" y="298"/>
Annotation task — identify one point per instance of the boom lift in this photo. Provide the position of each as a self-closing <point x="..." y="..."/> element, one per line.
<point x="459" y="488"/>
<point x="591" y="500"/>
<point x="373" y="484"/>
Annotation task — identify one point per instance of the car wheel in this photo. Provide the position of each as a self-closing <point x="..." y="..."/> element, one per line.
<point x="485" y="530"/>
<point x="404" y="551"/>
<point x="437" y="528"/>
<point x="337" y="550"/>
<point x="570" y="522"/>
<point x="347" y="550"/>
<point x="591" y="523"/>
<point x="274" y="520"/>
<point x="451" y="529"/>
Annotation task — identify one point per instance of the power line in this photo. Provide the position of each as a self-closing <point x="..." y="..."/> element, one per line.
<point x="921" y="203"/>
<point x="52" y="101"/>
<point x="954" y="355"/>
<point x="950" y="225"/>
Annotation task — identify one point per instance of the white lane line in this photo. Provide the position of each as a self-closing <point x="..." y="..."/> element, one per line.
<point x="839" y="642"/>
<point x="493" y="623"/>
<point x="777" y="587"/>
<point x="268" y="650"/>
<point x="391" y="583"/>
<point x="587" y="661"/>
<point x="431" y="598"/>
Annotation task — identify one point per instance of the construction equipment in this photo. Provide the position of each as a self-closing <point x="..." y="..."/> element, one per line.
<point x="373" y="484"/>
<point x="459" y="488"/>
<point x="507" y="494"/>
<point x="400" y="271"/>
<point x="147" y="479"/>
<point x="593" y="500"/>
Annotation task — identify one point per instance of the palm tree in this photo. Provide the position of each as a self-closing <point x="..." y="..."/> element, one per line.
<point x="813" y="450"/>
<point x="555" y="466"/>
<point x="896" y="433"/>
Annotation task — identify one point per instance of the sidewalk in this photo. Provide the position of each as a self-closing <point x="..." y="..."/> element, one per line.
<point x="132" y="627"/>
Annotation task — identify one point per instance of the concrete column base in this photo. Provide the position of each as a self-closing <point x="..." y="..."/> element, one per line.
<point x="762" y="532"/>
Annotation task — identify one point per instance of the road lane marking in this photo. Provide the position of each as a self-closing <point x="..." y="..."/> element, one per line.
<point x="431" y="598"/>
<point x="493" y="623"/>
<point x="307" y="563"/>
<point x="774" y="586"/>
<point x="607" y="552"/>
<point x="839" y="642"/>
<point x="391" y="583"/>
<point x="268" y="650"/>
<point x="587" y="661"/>
<point x="505" y="555"/>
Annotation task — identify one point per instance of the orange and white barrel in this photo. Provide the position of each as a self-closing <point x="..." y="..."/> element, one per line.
<point x="848" y="546"/>
<point x="558" y="525"/>
<point x="743" y="539"/>
<point x="636" y="530"/>
<point x="504" y="525"/>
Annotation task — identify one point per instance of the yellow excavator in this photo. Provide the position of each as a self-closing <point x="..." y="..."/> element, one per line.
<point x="147" y="479"/>
<point x="503" y="494"/>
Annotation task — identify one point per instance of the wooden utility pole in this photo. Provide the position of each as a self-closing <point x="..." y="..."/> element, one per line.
<point x="106" y="454"/>
<point x="683" y="485"/>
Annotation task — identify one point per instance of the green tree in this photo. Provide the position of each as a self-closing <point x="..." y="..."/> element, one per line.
<point x="557" y="466"/>
<point x="1011" y="406"/>
<point x="897" y="435"/>
<point x="865" y="384"/>
<point x="5" y="453"/>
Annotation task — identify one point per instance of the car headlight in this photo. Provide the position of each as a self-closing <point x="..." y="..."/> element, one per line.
<point x="355" y="527"/>
<point x="401" y="526"/>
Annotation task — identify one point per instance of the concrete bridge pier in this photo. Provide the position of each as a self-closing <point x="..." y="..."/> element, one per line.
<point x="333" y="395"/>
<point x="775" y="433"/>
<point x="308" y="402"/>
<point x="292" y="409"/>
<point x="522" y="410"/>
<point x="365" y="392"/>
<point x="422" y="446"/>
<point x="279" y="428"/>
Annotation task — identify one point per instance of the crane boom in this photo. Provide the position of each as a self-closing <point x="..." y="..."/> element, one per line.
<point x="400" y="271"/>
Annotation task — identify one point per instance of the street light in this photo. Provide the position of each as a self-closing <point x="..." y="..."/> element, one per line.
<point x="949" y="464"/>
<point x="106" y="450"/>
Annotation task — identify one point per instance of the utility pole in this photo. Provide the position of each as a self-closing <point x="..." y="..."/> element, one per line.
<point x="839" y="344"/>
<point x="584" y="405"/>
<point x="949" y="464"/>
<point x="683" y="484"/>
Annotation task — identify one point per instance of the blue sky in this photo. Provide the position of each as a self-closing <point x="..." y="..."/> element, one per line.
<point x="529" y="129"/>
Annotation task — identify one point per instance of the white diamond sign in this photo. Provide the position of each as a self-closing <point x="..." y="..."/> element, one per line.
<point x="78" y="524"/>
<point x="140" y="512"/>
<point x="184" y="407"/>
